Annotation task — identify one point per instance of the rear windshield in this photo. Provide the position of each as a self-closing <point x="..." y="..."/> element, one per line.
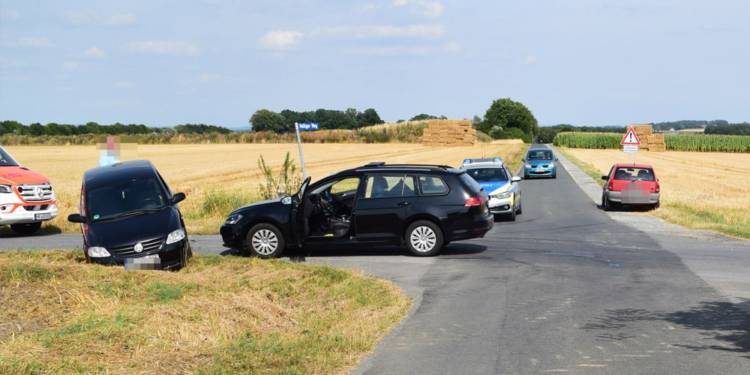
<point x="471" y="184"/>
<point x="634" y="174"/>
<point x="539" y="155"/>
<point x="6" y="160"/>
<point x="487" y="174"/>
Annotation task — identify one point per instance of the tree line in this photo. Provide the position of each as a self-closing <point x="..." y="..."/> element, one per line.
<point x="52" y="128"/>
<point x="283" y="122"/>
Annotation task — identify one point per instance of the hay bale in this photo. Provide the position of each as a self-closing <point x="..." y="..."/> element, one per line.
<point x="449" y="133"/>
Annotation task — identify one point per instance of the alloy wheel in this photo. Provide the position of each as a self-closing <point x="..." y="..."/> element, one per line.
<point x="265" y="242"/>
<point x="423" y="239"/>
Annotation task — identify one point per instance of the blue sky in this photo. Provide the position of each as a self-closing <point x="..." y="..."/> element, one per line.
<point x="586" y="62"/>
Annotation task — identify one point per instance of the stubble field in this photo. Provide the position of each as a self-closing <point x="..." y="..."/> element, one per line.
<point x="220" y="177"/>
<point x="700" y="190"/>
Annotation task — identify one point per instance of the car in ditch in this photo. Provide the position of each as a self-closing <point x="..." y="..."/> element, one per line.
<point x="129" y="217"/>
<point x="539" y="162"/>
<point x="420" y="207"/>
<point x="500" y="184"/>
<point x="630" y="184"/>
<point x="26" y="197"/>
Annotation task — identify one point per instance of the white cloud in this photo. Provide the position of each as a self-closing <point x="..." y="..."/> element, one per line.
<point x="530" y="60"/>
<point x="91" y="18"/>
<point x="93" y="53"/>
<point x="209" y="78"/>
<point x="123" y="85"/>
<point x="280" y="39"/>
<point x="9" y="15"/>
<point x="390" y="31"/>
<point x="164" y="47"/>
<point x="70" y="65"/>
<point x="429" y="8"/>
<point x="30" y="42"/>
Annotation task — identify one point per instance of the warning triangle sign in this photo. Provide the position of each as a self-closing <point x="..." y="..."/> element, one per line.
<point x="630" y="138"/>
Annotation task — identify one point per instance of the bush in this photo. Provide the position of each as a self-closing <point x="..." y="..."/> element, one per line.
<point x="287" y="182"/>
<point x="512" y="133"/>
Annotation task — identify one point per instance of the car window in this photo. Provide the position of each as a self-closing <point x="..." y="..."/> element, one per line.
<point x="634" y="174"/>
<point x="6" y="160"/>
<point x="127" y="196"/>
<point x="488" y="174"/>
<point x="539" y="155"/>
<point x="349" y="184"/>
<point x="388" y="186"/>
<point x="431" y="185"/>
<point x="470" y="183"/>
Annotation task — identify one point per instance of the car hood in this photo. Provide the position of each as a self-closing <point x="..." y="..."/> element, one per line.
<point x="260" y="204"/>
<point x="495" y="187"/>
<point x="134" y="228"/>
<point x="20" y="175"/>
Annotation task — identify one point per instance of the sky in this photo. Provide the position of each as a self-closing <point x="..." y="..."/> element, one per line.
<point x="583" y="62"/>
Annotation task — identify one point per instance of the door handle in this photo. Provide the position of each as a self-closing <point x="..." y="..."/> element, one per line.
<point x="403" y="204"/>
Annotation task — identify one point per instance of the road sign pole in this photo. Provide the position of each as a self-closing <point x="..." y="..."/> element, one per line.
<point x="301" y="153"/>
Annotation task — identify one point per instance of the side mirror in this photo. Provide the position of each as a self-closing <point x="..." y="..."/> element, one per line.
<point x="605" y="178"/>
<point x="177" y="198"/>
<point x="76" y="218"/>
<point x="516" y="179"/>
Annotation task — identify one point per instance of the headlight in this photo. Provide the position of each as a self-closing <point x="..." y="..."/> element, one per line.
<point x="233" y="219"/>
<point x="505" y="195"/>
<point x="5" y="189"/>
<point x="527" y="165"/>
<point x="176" y="236"/>
<point x="98" y="252"/>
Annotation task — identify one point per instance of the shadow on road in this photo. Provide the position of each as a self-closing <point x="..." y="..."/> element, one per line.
<point x="299" y="255"/>
<point x="46" y="230"/>
<point x="718" y="320"/>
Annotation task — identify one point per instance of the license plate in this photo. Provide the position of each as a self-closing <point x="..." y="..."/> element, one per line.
<point x="45" y="216"/>
<point x="148" y="262"/>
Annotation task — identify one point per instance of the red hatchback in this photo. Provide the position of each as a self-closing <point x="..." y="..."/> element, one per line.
<point x="631" y="184"/>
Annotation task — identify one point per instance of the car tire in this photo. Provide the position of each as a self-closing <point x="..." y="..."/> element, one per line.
<point x="520" y="209"/>
<point x="264" y="241"/>
<point x="424" y="238"/>
<point x="512" y="215"/>
<point x="26" y="229"/>
<point x="606" y="204"/>
<point x="656" y="205"/>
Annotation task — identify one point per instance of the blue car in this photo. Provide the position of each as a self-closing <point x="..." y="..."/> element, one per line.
<point x="502" y="187"/>
<point x="539" y="162"/>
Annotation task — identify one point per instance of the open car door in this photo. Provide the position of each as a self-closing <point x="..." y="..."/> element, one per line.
<point x="300" y="227"/>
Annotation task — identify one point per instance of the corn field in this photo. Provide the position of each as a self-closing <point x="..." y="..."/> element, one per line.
<point x="675" y="142"/>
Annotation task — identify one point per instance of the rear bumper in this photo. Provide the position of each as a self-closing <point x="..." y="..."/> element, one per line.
<point x="477" y="227"/>
<point x="634" y="198"/>
<point x="27" y="214"/>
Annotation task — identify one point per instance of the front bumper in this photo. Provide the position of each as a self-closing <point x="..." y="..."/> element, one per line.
<point x="231" y="235"/>
<point x="170" y="256"/>
<point x="27" y="214"/>
<point x="539" y="172"/>
<point x="501" y="206"/>
<point x="633" y="197"/>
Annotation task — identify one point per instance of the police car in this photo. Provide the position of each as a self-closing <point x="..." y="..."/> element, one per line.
<point x="502" y="187"/>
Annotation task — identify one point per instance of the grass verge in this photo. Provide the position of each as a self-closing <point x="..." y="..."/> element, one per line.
<point x="220" y="315"/>
<point x="589" y="169"/>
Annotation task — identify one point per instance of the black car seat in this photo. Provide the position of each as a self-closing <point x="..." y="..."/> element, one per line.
<point x="379" y="187"/>
<point x="622" y="174"/>
<point x="644" y="174"/>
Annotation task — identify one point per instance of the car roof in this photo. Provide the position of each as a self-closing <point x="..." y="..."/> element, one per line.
<point x="483" y="166"/>
<point x="538" y="149"/>
<point x="116" y="172"/>
<point x="634" y="165"/>
<point x="402" y="168"/>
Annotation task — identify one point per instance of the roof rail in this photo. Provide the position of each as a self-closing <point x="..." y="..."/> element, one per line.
<point x="375" y="164"/>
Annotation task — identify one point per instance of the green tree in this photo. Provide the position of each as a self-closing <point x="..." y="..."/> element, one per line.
<point x="265" y="120"/>
<point x="506" y="114"/>
<point x="368" y="117"/>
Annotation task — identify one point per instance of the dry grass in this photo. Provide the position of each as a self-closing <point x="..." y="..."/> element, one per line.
<point x="219" y="315"/>
<point x="220" y="177"/>
<point x="699" y="189"/>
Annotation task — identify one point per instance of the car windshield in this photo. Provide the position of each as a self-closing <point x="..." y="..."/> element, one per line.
<point x="634" y="174"/>
<point x="539" y="155"/>
<point x="130" y="197"/>
<point x="488" y="174"/>
<point x="6" y="160"/>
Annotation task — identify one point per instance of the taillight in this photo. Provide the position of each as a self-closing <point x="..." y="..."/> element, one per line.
<point x="611" y="185"/>
<point x="473" y="202"/>
<point x="656" y="187"/>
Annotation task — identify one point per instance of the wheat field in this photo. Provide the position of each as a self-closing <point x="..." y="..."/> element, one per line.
<point x="702" y="190"/>
<point x="220" y="177"/>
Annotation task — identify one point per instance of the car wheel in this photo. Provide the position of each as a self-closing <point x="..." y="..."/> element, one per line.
<point x="424" y="238"/>
<point x="26" y="229"/>
<point x="656" y="205"/>
<point x="512" y="215"/>
<point x="520" y="209"/>
<point x="606" y="204"/>
<point x="264" y="241"/>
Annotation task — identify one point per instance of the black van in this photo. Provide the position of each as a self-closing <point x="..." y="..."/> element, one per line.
<point x="129" y="216"/>
<point x="422" y="207"/>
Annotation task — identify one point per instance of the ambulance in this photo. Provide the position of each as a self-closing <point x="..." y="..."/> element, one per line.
<point x="26" y="197"/>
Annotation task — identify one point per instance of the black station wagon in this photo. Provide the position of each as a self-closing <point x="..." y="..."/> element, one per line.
<point x="421" y="207"/>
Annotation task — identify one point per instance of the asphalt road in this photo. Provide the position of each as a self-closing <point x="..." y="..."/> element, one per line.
<point x="567" y="288"/>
